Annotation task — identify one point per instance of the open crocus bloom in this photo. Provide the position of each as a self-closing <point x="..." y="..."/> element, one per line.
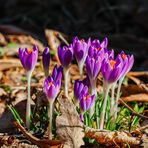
<point x="28" y="57"/>
<point x="52" y="86"/>
<point x="79" y="90"/>
<point x="128" y="62"/>
<point x="86" y="102"/>
<point x="111" y="69"/>
<point x="65" y="55"/>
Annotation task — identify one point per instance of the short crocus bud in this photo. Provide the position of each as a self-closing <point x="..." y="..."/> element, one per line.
<point x="28" y="57"/>
<point x="79" y="90"/>
<point x="46" y="60"/>
<point x="86" y="102"/>
<point x="65" y="55"/>
<point x="80" y="48"/>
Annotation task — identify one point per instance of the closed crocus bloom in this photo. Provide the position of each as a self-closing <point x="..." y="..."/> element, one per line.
<point x="93" y="66"/>
<point x="86" y="102"/>
<point x="79" y="90"/>
<point x="56" y="72"/>
<point x="46" y="60"/>
<point x="65" y="55"/>
<point x="80" y="48"/>
<point x="28" y="57"/>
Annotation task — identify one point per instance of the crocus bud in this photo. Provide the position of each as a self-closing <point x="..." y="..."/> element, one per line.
<point x="28" y="57"/>
<point x="52" y="86"/>
<point x="65" y="55"/>
<point x="46" y="60"/>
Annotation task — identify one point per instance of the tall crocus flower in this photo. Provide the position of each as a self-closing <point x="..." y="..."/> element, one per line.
<point x="93" y="66"/>
<point x="80" y="48"/>
<point x="52" y="86"/>
<point x="46" y="60"/>
<point x="65" y="55"/>
<point x="128" y="61"/>
<point x="28" y="58"/>
<point x="111" y="70"/>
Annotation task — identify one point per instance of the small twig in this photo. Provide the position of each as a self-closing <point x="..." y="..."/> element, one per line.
<point x="140" y="129"/>
<point x="44" y="143"/>
<point x="135" y="113"/>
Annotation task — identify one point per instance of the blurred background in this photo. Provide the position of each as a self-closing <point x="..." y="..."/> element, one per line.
<point x="125" y="23"/>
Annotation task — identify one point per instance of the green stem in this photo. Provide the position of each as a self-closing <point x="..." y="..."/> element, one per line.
<point x="112" y="99"/>
<point x="117" y="97"/>
<point x="28" y="107"/>
<point x="85" y="119"/>
<point x="104" y="108"/>
<point x="50" y="109"/>
<point x="66" y="78"/>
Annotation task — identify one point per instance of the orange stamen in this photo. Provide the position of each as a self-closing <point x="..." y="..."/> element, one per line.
<point x="30" y="50"/>
<point x="86" y="97"/>
<point x="99" y="48"/>
<point x="50" y="83"/>
<point x="123" y="55"/>
<point x="112" y="63"/>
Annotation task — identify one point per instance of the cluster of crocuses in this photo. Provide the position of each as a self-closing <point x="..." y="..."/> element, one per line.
<point x="96" y="58"/>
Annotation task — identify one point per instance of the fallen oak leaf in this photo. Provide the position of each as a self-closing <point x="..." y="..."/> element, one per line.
<point x="43" y="143"/>
<point x="110" y="138"/>
<point x="69" y="127"/>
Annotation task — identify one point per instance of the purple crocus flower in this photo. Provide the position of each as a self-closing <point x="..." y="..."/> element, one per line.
<point x="80" y="48"/>
<point x="111" y="70"/>
<point x="79" y="90"/>
<point x="65" y="55"/>
<point x="93" y="66"/>
<point x="128" y="62"/>
<point x="28" y="57"/>
<point x="86" y="102"/>
<point x="46" y="60"/>
<point x="52" y="84"/>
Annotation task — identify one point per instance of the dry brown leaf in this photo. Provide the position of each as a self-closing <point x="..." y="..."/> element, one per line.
<point x="69" y="127"/>
<point x="137" y="97"/>
<point x="2" y="40"/>
<point x="138" y="73"/>
<point x="134" y="89"/>
<point x="109" y="138"/>
<point x="9" y="63"/>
